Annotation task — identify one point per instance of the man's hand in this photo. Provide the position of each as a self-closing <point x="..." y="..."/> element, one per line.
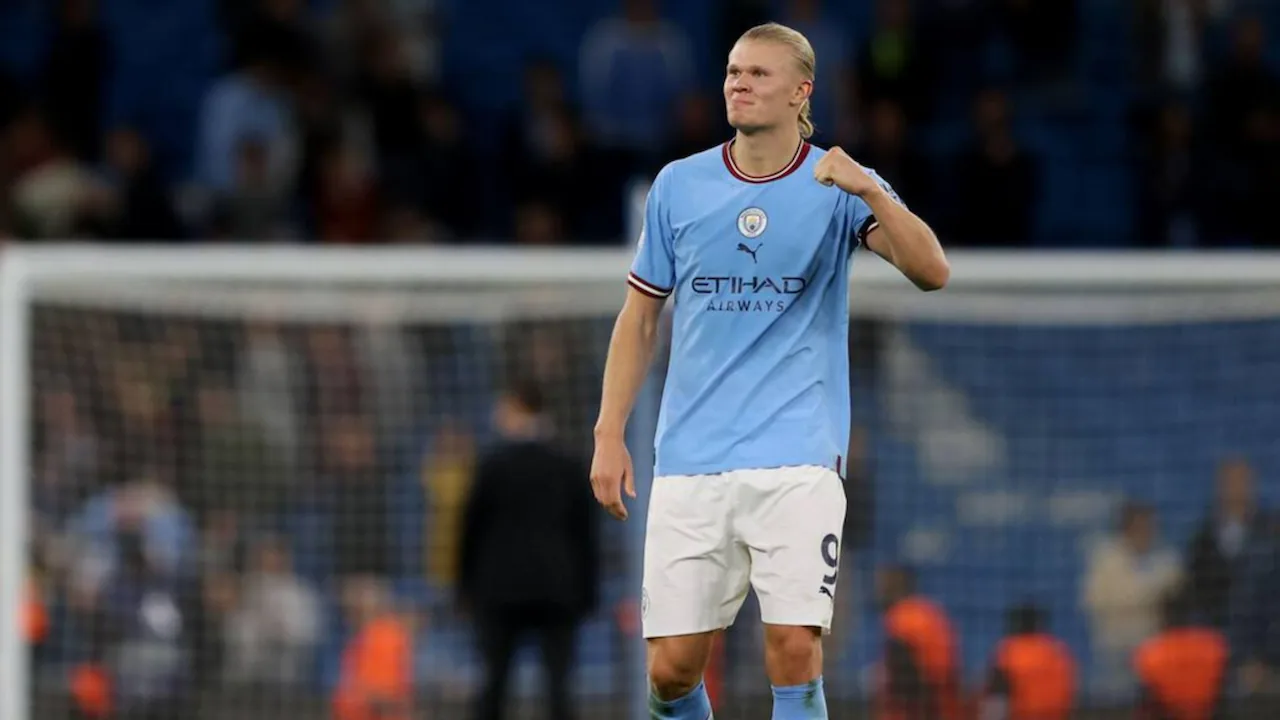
<point x="611" y="474"/>
<point x="837" y="168"/>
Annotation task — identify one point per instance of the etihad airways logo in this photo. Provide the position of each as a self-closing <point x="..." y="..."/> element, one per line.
<point x="740" y="293"/>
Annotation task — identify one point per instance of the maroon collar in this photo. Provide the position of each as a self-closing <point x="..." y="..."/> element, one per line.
<point x="802" y="151"/>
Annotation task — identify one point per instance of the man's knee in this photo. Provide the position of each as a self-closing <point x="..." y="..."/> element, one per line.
<point x="676" y="664"/>
<point x="793" y="654"/>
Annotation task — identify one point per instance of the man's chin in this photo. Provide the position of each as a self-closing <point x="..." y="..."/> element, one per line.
<point x="748" y="128"/>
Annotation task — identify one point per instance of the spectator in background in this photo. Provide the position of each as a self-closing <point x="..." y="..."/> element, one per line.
<point x="921" y="665"/>
<point x="830" y="103"/>
<point x="237" y="470"/>
<point x="257" y="207"/>
<point x="1244" y="116"/>
<point x="1033" y="676"/>
<point x="528" y="560"/>
<point x="1125" y="580"/>
<point x="1218" y="547"/>
<point x="142" y="506"/>
<point x="1254" y="622"/>
<point x="539" y="224"/>
<point x="634" y="69"/>
<point x="1182" y="672"/>
<point x="376" y="677"/>
<point x="697" y="127"/>
<point x="1243" y="87"/>
<point x="446" y="165"/>
<point x="269" y="385"/>
<point x="53" y="195"/>
<point x="892" y="64"/>
<point x="358" y="499"/>
<point x="386" y="87"/>
<point x="446" y="475"/>
<point x="141" y="207"/>
<point x="1171" y="41"/>
<point x="144" y="624"/>
<point x="1171" y="193"/>
<point x="998" y="180"/>
<point x="249" y="111"/>
<point x="346" y="199"/>
<point x="393" y="365"/>
<point x="553" y="356"/>
<point x="886" y="150"/>
<point x="336" y="379"/>
<point x="66" y="455"/>
<point x="75" y="75"/>
<point x="545" y="156"/>
<point x="275" y="628"/>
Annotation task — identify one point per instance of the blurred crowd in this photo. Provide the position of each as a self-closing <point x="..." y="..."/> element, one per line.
<point x="249" y="506"/>
<point x="1227" y="572"/>
<point x="223" y="506"/>
<point x="338" y="120"/>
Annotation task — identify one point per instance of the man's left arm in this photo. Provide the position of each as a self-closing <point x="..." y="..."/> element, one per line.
<point x="894" y="232"/>
<point x="903" y="239"/>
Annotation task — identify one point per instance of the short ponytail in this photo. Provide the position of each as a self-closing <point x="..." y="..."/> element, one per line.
<point x="806" y="120"/>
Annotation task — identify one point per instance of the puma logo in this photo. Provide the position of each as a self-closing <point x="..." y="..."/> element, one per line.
<point x="743" y="247"/>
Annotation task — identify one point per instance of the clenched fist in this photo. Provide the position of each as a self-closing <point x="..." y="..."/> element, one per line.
<point x="837" y="168"/>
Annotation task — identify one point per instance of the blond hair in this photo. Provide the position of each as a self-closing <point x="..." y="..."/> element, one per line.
<point x="801" y="50"/>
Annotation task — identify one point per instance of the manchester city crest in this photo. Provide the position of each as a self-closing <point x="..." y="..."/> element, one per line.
<point x="752" y="222"/>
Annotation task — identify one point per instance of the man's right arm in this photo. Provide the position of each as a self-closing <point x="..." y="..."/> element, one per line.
<point x="630" y="351"/>
<point x="651" y="280"/>
<point x="635" y="334"/>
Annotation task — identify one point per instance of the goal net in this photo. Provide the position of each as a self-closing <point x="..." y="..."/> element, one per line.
<point x="219" y="466"/>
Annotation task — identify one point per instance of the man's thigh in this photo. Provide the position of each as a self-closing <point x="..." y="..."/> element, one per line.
<point x="695" y="570"/>
<point x="791" y="520"/>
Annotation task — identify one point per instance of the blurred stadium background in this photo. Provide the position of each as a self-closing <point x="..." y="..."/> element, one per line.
<point x="294" y="454"/>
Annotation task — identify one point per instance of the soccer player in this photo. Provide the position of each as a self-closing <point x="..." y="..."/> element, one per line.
<point x="753" y="239"/>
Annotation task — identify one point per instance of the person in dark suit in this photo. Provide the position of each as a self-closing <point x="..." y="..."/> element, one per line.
<point x="1220" y="544"/>
<point x="529" y="552"/>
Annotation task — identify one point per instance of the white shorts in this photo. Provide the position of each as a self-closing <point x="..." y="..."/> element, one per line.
<point x="710" y="536"/>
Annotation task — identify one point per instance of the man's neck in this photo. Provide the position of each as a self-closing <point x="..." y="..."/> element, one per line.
<point x="765" y="153"/>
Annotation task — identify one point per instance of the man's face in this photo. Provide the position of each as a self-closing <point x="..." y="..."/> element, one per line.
<point x="763" y="86"/>
<point x="1235" y="483"/>
<point x="1142" y="532"/>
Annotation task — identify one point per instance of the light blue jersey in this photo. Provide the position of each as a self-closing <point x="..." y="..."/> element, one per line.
<point x="758" y="268"/>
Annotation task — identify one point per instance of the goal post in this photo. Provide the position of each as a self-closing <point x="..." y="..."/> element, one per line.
<point x="977" y="396"/>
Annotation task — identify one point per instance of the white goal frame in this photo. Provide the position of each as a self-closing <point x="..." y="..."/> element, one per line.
<point x="1152" y="280"/>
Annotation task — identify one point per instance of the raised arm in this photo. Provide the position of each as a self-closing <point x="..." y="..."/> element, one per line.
<point x="890" y="230"/>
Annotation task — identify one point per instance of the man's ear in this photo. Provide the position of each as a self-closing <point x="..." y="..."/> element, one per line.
<point x="804" y="92"/>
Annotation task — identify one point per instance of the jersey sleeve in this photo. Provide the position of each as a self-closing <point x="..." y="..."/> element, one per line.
<point x="861" y="220"/>
<point x="653" y="272"/>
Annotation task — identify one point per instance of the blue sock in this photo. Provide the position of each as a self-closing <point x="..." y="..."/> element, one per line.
<point x="694" y="706"/>
<point x="800" y="702"/>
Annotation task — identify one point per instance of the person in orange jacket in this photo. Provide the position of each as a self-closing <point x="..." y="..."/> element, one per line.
<point x="376" y="677"/>
<point x="1033" y="675"/>
<point x="1182" y="672"/>
<point x="921" y="668"/>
